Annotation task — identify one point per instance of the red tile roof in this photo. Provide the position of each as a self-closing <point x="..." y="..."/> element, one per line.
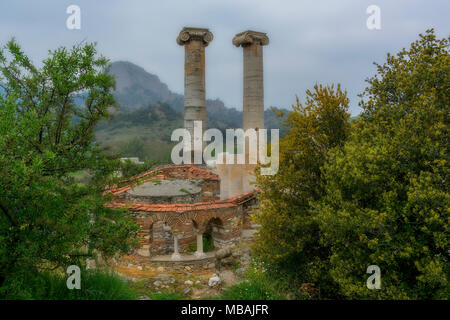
<point x="177" y="207"/>
<point x="192" y="172"/>
<point x="188" y="172"/>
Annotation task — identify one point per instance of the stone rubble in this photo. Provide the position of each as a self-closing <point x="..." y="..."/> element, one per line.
<point x="214" y="281"/>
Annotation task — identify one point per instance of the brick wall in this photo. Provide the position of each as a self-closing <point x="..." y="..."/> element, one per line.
<point x="157" y="229"/>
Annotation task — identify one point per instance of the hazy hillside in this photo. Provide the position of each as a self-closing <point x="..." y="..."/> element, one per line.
<point x="149" y="112"/>
<point x="143" y="133"/>
<point x="136" y="88"/>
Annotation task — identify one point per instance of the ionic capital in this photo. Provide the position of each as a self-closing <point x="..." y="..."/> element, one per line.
<point x="250" y="37"/>
<point x="192" y="34"/>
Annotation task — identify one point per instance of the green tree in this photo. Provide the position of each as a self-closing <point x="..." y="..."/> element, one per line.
<point x="387" y="199"/>
<point x="47" y="118"/>
<point x="288" y="241"/>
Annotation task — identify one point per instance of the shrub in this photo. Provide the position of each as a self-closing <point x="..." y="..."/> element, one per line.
<point x="387" y="201"/>
<point x="289" y="236"/>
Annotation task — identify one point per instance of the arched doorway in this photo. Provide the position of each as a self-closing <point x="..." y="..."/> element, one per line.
<point x="213" y="234"/>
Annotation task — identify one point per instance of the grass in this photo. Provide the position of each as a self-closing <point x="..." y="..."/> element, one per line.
<point x="166" y="296"/>
<point x="257" y="286"/>
<point x="236" y="265"/>
<point x="144" y="287"/>
<point x="95" y="285"/>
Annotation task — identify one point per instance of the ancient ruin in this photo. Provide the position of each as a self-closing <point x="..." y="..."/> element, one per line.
<point x="177" y="205"/>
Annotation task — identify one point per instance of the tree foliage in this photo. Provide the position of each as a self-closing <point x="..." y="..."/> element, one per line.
<point x="376" y="194"/>
<point x="47" y="117"/>
<point x="289" y="235"/>
<point x="387" y="199"/>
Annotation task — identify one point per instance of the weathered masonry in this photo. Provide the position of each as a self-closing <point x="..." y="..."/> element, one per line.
<point x="170" y="228"/>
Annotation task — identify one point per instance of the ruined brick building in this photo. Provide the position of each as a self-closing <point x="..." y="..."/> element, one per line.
<point x="177" y="205"/>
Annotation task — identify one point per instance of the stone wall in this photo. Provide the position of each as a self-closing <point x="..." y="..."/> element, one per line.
<point x="195" y="264"/>
<point x="248" y="208"/>
<point x="210" y="190"/>
<point x="186" y="198"/>
<point x="157" y="229"/>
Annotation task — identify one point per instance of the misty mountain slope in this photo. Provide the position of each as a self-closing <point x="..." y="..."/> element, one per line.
<point x="137" y="88"/>
<point x="143" y="133"/>
<point x="149" y="112"/>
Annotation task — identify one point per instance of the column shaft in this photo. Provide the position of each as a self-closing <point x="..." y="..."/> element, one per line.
<point x="175" y="255"/>
<point x="253" y="102"/>
<point x="194" y="89"/>
<point x="199" y="253"/>
<point x="195" y="40"/>
<point x="252" y="43"/>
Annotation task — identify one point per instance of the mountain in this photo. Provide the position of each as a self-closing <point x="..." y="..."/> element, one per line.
<point x="137" y="88"/>
<point x="149" y="112"/>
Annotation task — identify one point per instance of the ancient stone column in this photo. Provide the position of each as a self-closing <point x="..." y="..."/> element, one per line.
<point x="253" y="100"/>
<point x="194" y="41"/>
<point x="253" y="104"/>
<point x="175" y="255"/>
<point x="199" y="253"/>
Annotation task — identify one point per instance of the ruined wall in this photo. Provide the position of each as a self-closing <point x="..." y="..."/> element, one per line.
<point x="249" y="208"/>
<point x="210" y="190"/>
<point x="186" y="198"/>
<point x="157" y="229"/>
<point x="208" y="182"/>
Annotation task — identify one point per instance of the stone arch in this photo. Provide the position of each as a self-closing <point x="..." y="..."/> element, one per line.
<point x="204" y="218"/>
<point x="171" y="220"/>
<point x="215" y="227"/>
<point x="195" y="225"/>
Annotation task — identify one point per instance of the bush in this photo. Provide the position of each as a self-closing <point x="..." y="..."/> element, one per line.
<point x="373" y="192"/>
<point x="387" y="199"/>
<point x="47" y="119"/>
<point x="289" y="236"/>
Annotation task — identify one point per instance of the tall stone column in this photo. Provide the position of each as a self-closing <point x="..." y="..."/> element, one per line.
<point x="252" y="43"/>
<point x="253" y="104"/>
<point x="194" y="41"/>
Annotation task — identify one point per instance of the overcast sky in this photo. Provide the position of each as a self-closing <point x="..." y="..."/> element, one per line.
<point x="318" y="41"/>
